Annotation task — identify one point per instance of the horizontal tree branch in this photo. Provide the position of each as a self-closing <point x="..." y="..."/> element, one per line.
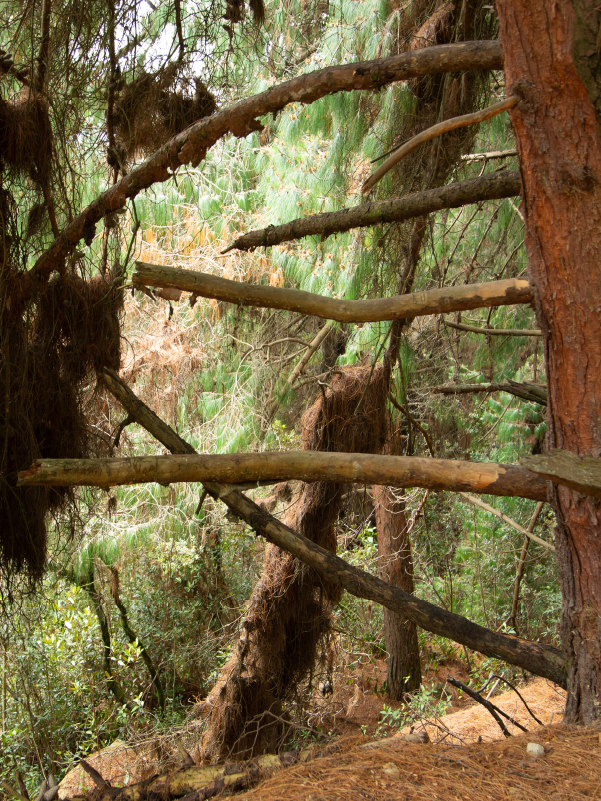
<point x="529" y="392"/>
<point x="541" y="660"/>
<point x="509" y="292"/>
<point x="242" y="468"/>
<point x="241" y="119"/>
<point x="499" y="332"/>
<point x="505" y="183"/>
<point x="434" y="131"/>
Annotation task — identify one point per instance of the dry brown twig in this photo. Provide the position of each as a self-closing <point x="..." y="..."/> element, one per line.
<point x="437" y="130"/>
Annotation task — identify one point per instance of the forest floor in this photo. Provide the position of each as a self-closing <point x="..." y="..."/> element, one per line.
<point x="569" y="770"/>
<point x="466" y="755"/>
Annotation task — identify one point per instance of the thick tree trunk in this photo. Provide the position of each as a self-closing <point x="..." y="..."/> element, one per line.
<point x="403" y="669"/>
<point x="551" y="60"/>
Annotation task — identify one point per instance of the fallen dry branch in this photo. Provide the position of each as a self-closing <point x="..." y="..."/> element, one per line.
<point x="204" y="782"/>
<point x="530" y="392"/>
<point x="249" y="468"/>
<point x="437" y="130"/>
<point x="242" y="118"/>
<point x="525" y="531"/>
<point x="580" y="473"/>
<point x="542" y="660"/>
<point x="494" y="711"/>
<point x="508" y="292"/>
<point x="473" y="190"/>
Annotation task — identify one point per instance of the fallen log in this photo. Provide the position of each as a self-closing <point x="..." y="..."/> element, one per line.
<point x="511" y="291"/>
<point x="505" y="183"/>
<point x="199" y="783"/>
<point x="542" y="660"/>
<point x="251" y="468"/>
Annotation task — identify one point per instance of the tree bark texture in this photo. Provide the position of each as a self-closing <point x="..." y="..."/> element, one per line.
<point x="241" y="119"/>
<point x="580" y="473"/>
<point x="552" y="62"/>
<point x="509" y="292"/>
<point x="473" y="190"/>
<point x="255" y="468"/>
<point x="403" y="669"/>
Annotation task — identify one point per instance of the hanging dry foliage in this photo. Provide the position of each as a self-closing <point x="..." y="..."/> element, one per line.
<point x="149" y="110"/>
<point x="72" y="331"/>
<point x="26" y="135"/>
<point x="289" y="612"/>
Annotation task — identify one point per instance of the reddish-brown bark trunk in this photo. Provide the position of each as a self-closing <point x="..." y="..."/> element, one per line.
<point x="551" y="57"/>
<point x="403" y="669"/>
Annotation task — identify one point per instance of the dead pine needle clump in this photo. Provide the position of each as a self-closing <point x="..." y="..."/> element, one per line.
<point x="288" y="614"/>
<point x="26" y="135"/>
<point x="151" y="109"/>
<point x="46" y="357"/>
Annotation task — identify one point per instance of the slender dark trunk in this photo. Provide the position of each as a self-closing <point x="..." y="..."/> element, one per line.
<point x="403" y="669"/>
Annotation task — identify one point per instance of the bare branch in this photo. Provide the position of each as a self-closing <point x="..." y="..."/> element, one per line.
<point x="505" y="183"/>
<point x="499" y="332"/>
<point x="530" y="392"/>
<point x="437" y="130"/>
<point x="525" y="531"/>
<point x="241" y="468"/>
<point x="241" y="119"/>
<point x="416" y="304"/>
<point x="543" y="660"/>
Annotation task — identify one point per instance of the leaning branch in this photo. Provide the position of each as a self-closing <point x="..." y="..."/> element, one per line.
<point x="527" y="532"/>
<point x="437" y="130"/>
<point x="499" y="332"/>
<point x="242" y="118"/>
<point x="530" y="392"/>
<point x="542" y="660"/>
<point x="250" y="468"/>
<point x="508" y="292"/>
<point x="461" y="193"/>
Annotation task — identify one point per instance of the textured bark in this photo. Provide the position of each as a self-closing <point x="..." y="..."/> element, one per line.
<point x="473" y="190"/>
<point x="403" y="669"/>
<point x="255" y="468"/>
<point x="511" y="291"/>
<point x="581" y="473"/>
<point x="552" y="62"/>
